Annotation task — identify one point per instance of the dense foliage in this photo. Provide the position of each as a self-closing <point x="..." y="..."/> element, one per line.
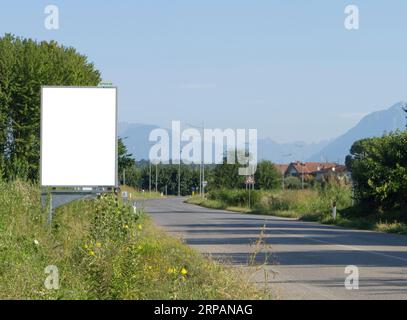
<point x="379" y="170"/>
<point x="25" y="66"/>
<point x="167" y="178"/>
<point x="227" y="176"/>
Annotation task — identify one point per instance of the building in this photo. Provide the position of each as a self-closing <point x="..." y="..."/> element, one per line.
<point x="315" y="170"/>
<point x="338" y="171"/>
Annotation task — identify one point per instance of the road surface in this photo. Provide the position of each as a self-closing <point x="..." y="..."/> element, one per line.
<point x="303" y="260"/>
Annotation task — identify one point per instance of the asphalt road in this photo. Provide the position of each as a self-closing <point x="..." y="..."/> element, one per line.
<point x="302" y="260"/>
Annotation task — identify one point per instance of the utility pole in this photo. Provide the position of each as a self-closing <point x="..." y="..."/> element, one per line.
<point x="124" y="177"/>
<point x="149" y="177"/>
<point x="203" y="159"/>
<point x="250" y="187"/>
<point x="179" y="175"/>
<point x="202" y="164"/>
<point x="282" y="171"/>
<point x="283" y="179"/>
<point x="156" y="177"/>
<point x="200" y="179"/>
<point x="302" y="176"/>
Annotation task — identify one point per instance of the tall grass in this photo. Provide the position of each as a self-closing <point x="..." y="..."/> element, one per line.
<point x="102" y="251"/>
<point x="312" y="203"/>
<point x="134" y="194"/>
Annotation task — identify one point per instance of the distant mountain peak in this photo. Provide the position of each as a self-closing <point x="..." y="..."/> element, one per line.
<point x="374" y="124"/>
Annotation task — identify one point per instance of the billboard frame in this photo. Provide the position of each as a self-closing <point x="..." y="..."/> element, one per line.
<point x="116" y="138"/>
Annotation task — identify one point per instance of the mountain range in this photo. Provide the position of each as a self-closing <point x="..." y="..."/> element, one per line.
<point x="335" y="150"/>
<point x="372" y="125"/>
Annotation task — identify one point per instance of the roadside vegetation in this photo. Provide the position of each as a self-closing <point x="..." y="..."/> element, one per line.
<point x="103" y="251"/>
<point x="312" y="204"/>
<point x="135" y="194"/>
<point x="307" y="205"/>
<point x="375" y="200"/>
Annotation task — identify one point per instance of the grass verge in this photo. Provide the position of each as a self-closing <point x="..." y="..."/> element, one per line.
<point x="134" y="194"/>
<point x="102" y="251"/>
<point x="306" y="205"/>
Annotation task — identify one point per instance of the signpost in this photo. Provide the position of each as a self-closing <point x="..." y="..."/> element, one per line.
<point x="249" y="182"/>
<point x="78" y="143"/>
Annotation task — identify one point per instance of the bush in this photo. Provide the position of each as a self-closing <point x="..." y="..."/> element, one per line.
<point x="235" y="197"/>
<point x="292" y="182"/>
<point x="379" y="171"/>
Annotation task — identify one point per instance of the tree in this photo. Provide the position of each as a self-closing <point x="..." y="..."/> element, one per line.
<point x="379" y="170"/>
<point x="125" y="159"/>
<point x="167" y="178"/>
<point x="405" y="110"/>
<point x="226" y="175"/>
<point x="292" y="182"/>
<point x="133" y="177"/>
<point x="126" y="165"/>
<point x="266" y="176"/>
<point x="25" y="66"/>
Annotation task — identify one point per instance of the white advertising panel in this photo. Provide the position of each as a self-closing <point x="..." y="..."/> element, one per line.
<point x="78" y="136"/>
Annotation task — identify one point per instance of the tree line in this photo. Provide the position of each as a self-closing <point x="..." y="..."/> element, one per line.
<point x="164" y="178"/>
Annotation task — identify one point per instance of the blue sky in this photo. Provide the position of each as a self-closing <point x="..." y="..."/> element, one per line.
<point x="287" y="68"/>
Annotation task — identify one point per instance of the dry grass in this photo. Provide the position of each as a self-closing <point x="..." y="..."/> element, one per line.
<point x="309" y="205"/>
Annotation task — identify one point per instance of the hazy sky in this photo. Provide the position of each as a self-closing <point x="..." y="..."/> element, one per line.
<point x="288" y="68"/>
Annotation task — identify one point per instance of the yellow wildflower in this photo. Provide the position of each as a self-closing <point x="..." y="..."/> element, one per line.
<point x="184" y="271"/>
<point x="91" y="253"/>
<point x="140" y="227"/>
<point x="98" y="245"/>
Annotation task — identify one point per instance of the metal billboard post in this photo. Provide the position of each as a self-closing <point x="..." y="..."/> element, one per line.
<point x="59" y="198"/>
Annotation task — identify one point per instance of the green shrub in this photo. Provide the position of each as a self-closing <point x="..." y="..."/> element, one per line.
<point x="235" y="197"/>
<point x="292" y="182"/>
<point x="379" y="171"/>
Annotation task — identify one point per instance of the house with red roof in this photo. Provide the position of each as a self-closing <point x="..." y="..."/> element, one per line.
<point x="315" y="170"/>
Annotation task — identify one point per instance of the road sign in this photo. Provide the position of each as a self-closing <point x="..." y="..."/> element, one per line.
<point x="249" y="180"/>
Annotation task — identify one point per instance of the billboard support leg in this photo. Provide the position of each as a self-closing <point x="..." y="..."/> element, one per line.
<point x="58" y="198"/>
<point x="50" y="212"/>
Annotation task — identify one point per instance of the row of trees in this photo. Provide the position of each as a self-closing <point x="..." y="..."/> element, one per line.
<point x="164" y="177"/>
<point x="227" y="176"/>
<point x="25" y="66"/>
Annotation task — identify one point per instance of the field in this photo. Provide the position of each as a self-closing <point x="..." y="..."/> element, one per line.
<point x="102" y="251"/>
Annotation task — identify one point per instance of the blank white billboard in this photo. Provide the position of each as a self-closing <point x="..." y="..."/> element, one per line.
<point x="78" y="136"/>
